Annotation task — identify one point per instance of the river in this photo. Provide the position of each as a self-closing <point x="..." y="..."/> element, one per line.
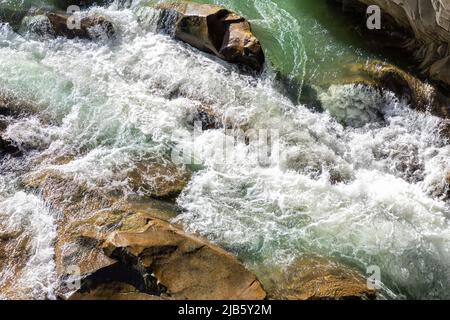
<point x="358" y="181"/>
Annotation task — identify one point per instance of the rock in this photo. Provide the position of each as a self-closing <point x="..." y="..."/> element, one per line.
<point x="88" y="216"/>
<point x="419" y="95"/>
<point x="15" y="250"/>
<point x="64" y="4"/>
<point x="316" y="278"/>
<point x="11" y="107"/>
<point x="207" y="118"/>
<point x="216" y="30"/>
<point x="427" y="22"/>
<point x="161" y="180"/>
<point x="93" y="27"/>
<point x="188" y="267"/>
<point x="6" y="147"/>
<point x="114" y="291"/>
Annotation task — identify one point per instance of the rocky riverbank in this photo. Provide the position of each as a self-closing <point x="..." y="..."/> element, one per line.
<point x="424" y="27"/>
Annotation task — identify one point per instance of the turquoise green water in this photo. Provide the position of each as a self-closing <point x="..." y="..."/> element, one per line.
<point x="306" y="40"/>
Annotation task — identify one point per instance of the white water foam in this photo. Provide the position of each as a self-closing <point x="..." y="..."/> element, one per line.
<point x="25" y="215"/>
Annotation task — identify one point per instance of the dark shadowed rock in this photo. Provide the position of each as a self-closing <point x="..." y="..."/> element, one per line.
<point x="124" y="251"/>
<point x="12" y="16"/>
<point x="7" y="147"/>
<point x="11" y="107"/>
<point x="217" y="30"/>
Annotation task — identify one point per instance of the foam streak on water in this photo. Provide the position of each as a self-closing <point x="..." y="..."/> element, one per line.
<point x="368" y="195"/>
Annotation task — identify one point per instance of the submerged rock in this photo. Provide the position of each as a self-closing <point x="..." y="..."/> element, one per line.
<point x="216" y="30"/>
<point x="353" y="105"/>
<point x="153" y="259"/>
<point x="315" y="278"/>
<point x="92" y="27"/>
<point x="12" y="16"/>
<point x="385" y="76"/>
<point x="13" y="106"/>
<point x="160" y="180"/>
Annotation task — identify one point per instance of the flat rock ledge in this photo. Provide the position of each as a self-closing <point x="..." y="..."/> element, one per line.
<point x="163" y="262"/>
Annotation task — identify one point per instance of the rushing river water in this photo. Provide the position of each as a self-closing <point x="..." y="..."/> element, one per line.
<point x="360" y="182"/>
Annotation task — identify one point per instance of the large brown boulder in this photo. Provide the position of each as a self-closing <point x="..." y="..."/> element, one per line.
<point x="11" y="107"/>
<point x="15" y="250"/>
<point x="187" y="266"/>
<point x="427" y="24"/>
<point x="89" y="214"/>
<point x="124" y="250"/>
<point x="217" y="30"/>
<point x="92" y="27"/>
<point x="316" y="278"/>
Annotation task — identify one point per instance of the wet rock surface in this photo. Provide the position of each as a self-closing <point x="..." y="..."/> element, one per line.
<point x="11" y="108"/>
<point x="123" y="250"/>
<point x="217" y="30"/>
<point x="114" y="291"/>
<point x="91" y="27"/>
<point x="316" y="278"/>
<point x="384" y="76"/>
